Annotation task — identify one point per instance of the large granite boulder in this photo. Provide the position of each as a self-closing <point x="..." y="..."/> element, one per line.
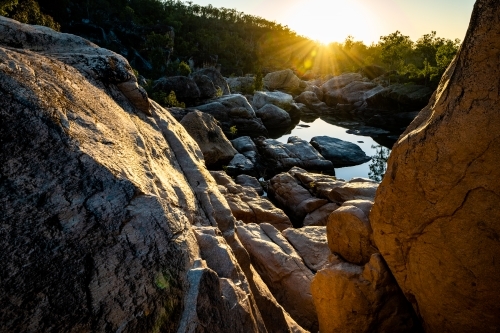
<point x="351" y="298"/>
<point x="184" y="87"/>
<point x="296" y="152"/>
<point x="242" y="84"/>
<point x="341" y="153"/>
<point x="435" y="218"/>
<point x="284" y="80"/>
<point x="312" y="101"/>
<point x="100" y="188"/>
<point x="216" y="77"/>
<point x="278" y="98"/>
<point x="247" y="205"/>
<point x="311" y="244"/>
<point x="283" y="270"/>
<point x="274" y="117"/>
<point x="340" y="81"/>
<point x="400" y="97"/>
<point x="203" y="128"/>
<point x="83" y="187"/>
<point x="234" y="110"/>
<point x="355" y="93"/>
<point x="205" y="85"/>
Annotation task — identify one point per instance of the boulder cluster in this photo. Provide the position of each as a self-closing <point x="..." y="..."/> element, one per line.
<point x="111" y="220"/>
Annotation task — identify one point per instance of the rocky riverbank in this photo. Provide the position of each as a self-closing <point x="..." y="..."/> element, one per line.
<point x="111" y="220"/>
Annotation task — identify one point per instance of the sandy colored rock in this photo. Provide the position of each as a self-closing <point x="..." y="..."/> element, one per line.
<point x="282" y="269"/>
<point x="435" y="217"/>
<point x="351" y="298"/>
<point x="284" y="80"/>
<point x="319" y="217"/>
<point x="100" y="193"/>
<point x="203" y="128"/>
<point x="350" y="234"/>
<point x="311" y="244"/>
<point x="247" y="205"/>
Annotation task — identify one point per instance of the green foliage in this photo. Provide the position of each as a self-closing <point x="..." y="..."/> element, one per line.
<point x="233" y="131"/>
<point x="395" y="50"/>
<point x="378" y="164"/>
<point x="219" y="92"/>
<point x="6" y="6"/>
<point x="184" y="69"/>
<point x="169" y="100"/>
<point x="259" y="81"/>
<point x="27" y="11"/>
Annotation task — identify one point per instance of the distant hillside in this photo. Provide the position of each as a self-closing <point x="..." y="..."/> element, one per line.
<point x="156" y="36"/>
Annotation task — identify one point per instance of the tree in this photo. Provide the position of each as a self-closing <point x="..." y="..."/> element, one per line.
<point x="395" y="50"/>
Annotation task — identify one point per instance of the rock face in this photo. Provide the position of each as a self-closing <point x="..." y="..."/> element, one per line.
<point x="284" y="80"/>
<point x="283" y="270"/>
<point x="216" y="148"/>
<point x="100" y="189"/>
<point x="341" y="153"/>
<point x="351" y="298"/>
<point x="435" y="218"/>
<point x="216" y="78"/>
<point x="401" y="97"/>
<point x="280" y="99"/>
<point x="274" y="117"/>
<point x="247" y="206"/>
<point x="185" y="88"/>
<point x="234" y="110"/>
<point x="296" y="152"/>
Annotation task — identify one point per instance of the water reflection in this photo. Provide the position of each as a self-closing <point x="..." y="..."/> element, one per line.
<point x="378" y="164"/>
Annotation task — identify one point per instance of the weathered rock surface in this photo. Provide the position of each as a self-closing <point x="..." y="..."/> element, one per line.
<point x="340" y="81"/>
<point x="184" y="87"/>
<point x="312" y="101"/>
<point x="205" y="85"/>
<point x="435" y="217"/>
<point x="296" y="152"/>
<point x="278" y="98"/>
<point x="341" y="153"/>
<point x="216" y="148"/>
<point x="248" y="206"/>
<point x="216" y="77"/>
<point x="282" y="269"/>
<point x="274" y="117"/>
<point x="311" y="244"/>
<point x="241" y="85"/>
<point x="356" y="91"/>
<point x="284" y="80"/>
<point x="98" y="198"/>
<point x="249" y="181"/>
<point x="104" y="189"/>
<point x="350" y="234"/>
<point x="309" y="198"/>
<point x="403" y="97"/>
<point x="234" y="110"/>
<point x="351" y="298"/>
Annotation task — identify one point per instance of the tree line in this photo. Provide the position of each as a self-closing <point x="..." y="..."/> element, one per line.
<point x="239" y="42"/>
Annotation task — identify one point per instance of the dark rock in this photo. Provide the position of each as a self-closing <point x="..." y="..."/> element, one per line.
<point x="400" y="97"/>
<point x="274" y="117"/>
<point x="281" y="157"/>
<point x="216" y="77"/>
<point x="234" y="110"/>
<point x="216" y="149"/>
<point x="248" y="181"/>
<point x="341" y="153"/>
<point x="372" y="72"/>
<point x="185" y="88"/>
<point x="240" y="164"/>
<point x="206" y="86"/>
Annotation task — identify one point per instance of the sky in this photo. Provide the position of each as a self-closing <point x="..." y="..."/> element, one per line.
<point x="366" y="20"/>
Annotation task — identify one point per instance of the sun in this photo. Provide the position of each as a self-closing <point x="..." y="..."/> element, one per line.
<point x="331" y="20"/>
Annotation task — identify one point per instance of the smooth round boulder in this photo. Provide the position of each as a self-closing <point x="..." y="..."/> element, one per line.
<point x="274" y="117"/>
<point x="341" y="153"/>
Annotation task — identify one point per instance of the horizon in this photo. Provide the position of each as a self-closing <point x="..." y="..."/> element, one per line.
<point x="328" y="21"/>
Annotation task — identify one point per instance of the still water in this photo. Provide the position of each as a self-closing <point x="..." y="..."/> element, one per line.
<point x="373" y="169"/>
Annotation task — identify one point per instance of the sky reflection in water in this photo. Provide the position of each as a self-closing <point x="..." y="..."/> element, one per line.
<point x="320" y="127"/>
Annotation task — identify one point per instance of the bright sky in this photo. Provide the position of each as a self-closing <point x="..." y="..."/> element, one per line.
<point x="366" y="20"/>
